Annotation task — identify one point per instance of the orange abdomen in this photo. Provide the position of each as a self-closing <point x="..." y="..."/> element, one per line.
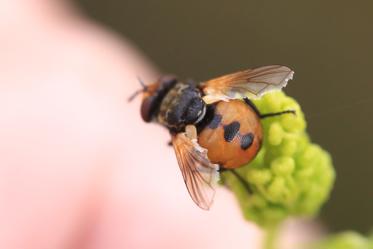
<point x="232" y="134"/>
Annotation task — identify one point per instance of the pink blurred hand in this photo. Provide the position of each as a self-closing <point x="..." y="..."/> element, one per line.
<point x="78" y="167"/>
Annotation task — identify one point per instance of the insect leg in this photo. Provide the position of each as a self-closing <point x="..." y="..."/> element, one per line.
<point x="273" y="114"/>
<point x="251" y="104"/>
<point x="267" y="115"/>
<point x="244" y="183"/>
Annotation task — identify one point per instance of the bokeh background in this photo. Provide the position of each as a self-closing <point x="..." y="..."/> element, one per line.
<point x="329" y="44"/>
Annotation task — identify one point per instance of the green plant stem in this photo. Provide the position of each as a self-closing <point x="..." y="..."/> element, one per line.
<point x="270" y="239"/>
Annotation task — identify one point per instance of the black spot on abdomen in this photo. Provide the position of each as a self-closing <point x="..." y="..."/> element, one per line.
<point x="215" y="122"/>
<point x="231" y="130"/>
<point x="247" y="140"/>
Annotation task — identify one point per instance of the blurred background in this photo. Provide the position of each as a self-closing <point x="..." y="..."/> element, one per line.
<point x="329" y="44"/>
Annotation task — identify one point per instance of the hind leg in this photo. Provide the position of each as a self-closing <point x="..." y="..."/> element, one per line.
<point x="267" y="115"/>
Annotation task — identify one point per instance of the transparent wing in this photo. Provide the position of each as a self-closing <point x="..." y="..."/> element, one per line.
<point x="250" y="83"/>
<point x="198" y="172"/>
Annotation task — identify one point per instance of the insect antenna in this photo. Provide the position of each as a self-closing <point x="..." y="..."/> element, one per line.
<point x="144" y="88"/>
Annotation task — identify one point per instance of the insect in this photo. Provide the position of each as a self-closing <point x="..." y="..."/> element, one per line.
<point x="213" y="124"/>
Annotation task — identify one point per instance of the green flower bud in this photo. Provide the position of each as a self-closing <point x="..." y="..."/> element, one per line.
<point x="290" y="175"/>
<point x="345" y="240"/>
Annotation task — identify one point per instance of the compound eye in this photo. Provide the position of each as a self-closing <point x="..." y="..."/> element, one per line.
<point x="147" y="107"/>
<point x="153" y="96"/>
<point x="167" y="81"/>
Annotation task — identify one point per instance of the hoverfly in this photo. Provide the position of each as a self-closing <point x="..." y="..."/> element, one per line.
<point x="213" y="124"/>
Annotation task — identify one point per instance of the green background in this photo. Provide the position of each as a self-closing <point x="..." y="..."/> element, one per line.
<point x="329" y="44"/>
